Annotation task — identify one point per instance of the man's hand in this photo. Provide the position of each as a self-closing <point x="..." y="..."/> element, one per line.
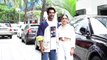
<point x="41" y="47"/>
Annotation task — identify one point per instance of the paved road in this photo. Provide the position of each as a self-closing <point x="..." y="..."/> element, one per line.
<point x="14" y="49"/>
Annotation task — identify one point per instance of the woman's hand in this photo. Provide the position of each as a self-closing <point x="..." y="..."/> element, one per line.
<point x="72" y="51"/>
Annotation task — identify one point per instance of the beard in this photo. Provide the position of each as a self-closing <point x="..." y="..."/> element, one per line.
<point x="51" y="17"/>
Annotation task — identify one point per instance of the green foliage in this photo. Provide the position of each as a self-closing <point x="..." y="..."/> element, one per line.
<point x="69" y="5"/>
<point x="6" y="13"/>
<point x="21" y="16"/>
<point x="3" y="9"/>
<point x="37" y="14"/>
<point x="38" y="7"/>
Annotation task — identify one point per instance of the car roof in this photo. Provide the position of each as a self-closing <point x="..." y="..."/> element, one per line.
<point x="80" y="17"/>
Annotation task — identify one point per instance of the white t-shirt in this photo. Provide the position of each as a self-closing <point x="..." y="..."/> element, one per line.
<point x="50" y="36"/>
<point x="53" y="35"/>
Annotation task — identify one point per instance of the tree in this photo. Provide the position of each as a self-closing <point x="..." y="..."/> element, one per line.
<point x="43" y="9"/>
<point x="5" y="12"/>
<point x="69" y="5"/>
<point x="25" y="1"/>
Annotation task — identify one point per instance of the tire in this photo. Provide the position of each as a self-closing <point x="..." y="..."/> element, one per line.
<point x="26" y="42"/>
<point x="96" y="58"/>
<point x="22" y="40"/>
<point x="19" y="37"/>
<point x="10" y="36"/>
<point x="2" y="36"/>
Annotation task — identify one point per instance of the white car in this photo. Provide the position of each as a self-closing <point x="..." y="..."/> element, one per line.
<point x="5" y="30"/>
<point x="20" y="30"/>
<point x="14" y="28"/>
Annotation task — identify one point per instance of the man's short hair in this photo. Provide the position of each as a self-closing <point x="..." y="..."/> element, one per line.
<point x="51" y="8"/>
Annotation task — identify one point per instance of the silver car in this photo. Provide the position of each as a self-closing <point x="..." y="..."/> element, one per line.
<point x="29" y="33"/>
<point x="5" y="30"/>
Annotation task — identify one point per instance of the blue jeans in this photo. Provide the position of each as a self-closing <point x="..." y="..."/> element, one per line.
<point x="49" y="55"/>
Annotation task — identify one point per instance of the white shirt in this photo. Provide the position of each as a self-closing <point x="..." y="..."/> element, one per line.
<point x="50" y="42"/>
<point x="67" y="31"/>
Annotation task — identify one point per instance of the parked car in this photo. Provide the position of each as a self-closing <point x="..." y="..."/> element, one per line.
<point x="5" y="30"/>
<point x="29" y="33"/>
<point x="20" y="30"/>
<point x="102" y="19"/>
<point x="91" y="37"/>
<point x="14" y="28"/>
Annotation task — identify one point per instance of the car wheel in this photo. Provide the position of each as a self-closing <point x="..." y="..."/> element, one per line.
<point x="10" y="36"/>
<point x="2" y="36"/>
<point x="19" y="37"/>
<point x="22" y="40"/>
<point x="96" y="58"/>
<point x="26" y="42"/>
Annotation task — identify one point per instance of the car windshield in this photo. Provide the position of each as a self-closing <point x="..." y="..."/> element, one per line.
<point x="4" y="25"/>
<point x="8" y="24"/>
<point x="98" y="26"/>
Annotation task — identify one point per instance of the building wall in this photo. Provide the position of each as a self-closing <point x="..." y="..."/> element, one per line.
<point x="90" y="5"/>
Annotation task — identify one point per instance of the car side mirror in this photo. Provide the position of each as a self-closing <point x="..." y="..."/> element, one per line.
<point x="83" y="30"/>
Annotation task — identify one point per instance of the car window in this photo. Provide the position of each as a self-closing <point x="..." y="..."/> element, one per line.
<point x="26" y="27"/>
<point x="1" y="25"/>
<point x="4" y="25"/>
<point x="8" y="24"/>
<point x="82" y="23"/>
<point x="23" y="26"/>
<point x="103" y="20"/>
<point x="98" y="27"/>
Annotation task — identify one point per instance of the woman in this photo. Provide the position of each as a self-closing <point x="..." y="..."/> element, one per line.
<point x="66" y="41"/>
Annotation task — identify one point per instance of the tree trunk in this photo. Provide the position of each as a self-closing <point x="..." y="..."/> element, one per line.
<point x="43" y="9"/>
<point x="5" y="2"/>
<point x="25" y="1"/>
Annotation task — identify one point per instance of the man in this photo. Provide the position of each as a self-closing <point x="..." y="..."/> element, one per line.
<point x="47" y="36"/>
